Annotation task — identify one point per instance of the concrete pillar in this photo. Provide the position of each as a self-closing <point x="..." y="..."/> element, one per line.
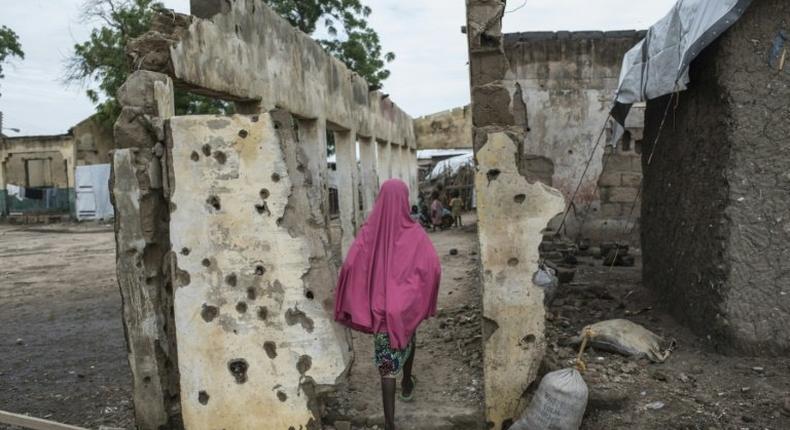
<point x="312" y="141"/>
<point x="345" y="148"/>
<point x="369" y="180"/>
<point x="143" y="248"/>
<point x="397" y="163"/>
<point x="258" y="348"/>
<point x="512" y="215"/>
<point x="384" y="158"/>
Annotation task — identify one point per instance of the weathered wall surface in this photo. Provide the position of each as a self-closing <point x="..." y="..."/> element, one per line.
<point x="247" y="209"/>
<point x="512" y="214"/>
<point x="568" y="80"/>
<point x="56" y="170"/>
<point x="94" y="142"/>
<point x="143" y="250"/>
<point x="254" y="343"/>
<point x="715" y="206"/>
<point x="451" y="129"/>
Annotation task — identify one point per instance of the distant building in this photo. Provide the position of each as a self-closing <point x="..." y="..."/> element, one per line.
<point x="38" y="173"/>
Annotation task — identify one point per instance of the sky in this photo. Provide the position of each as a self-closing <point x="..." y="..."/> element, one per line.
<point x="429" y="74"/>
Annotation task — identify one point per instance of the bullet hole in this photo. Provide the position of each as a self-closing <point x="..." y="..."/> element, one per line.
<point x="507" y="423"/>
<point x="209" y="313"/>
<point x="263" y="209"/>
<point x="206" y="150"/>
<point x="183" y="278"/>
<point x="304" y="364"/>
<point x="263" y="313"/>
<point x="264" y="194"/>
<point x="309" y="294"/>
<point x="528" y="339"/>
<point x="260" y="270"/>
<point x="271" y="349"/>
<point x="243" y="134"/>
<point x="241" y="307"/>
<point x="277" y="125"/>
<point x="147" y="380"/>
<point x="513" y="262"/>
<point x="520" y="198"/>
<point x="295" y="316"/>
<point x="238" y="30"/>
<point x="252" y="294"/>
<point x="570" y="151"/>
<point x="493" y="174"/>
<point x="238" y="368"/>
<point x="282" y="396"/>
<point x="232" y="280"/>
<point x="206" y="262"/>
<point x="195" y="156"/>
<point x="185" y="251"/>
<point x="220" y="157"/>
<point x="255" y="118"/>
<point x="275" y="177"/>
<point x="213" y="201"/>
<point x="203" y="398"/>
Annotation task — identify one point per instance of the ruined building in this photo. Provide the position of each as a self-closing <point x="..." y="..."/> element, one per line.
<point x="715" y="207"/>
<point x="567" y="81"/>
<point x="38" y="173"/>
<point x="225" y="261"/>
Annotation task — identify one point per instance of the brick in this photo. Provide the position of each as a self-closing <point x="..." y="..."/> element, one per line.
<point x="631" y="180"/>
<point x="617" y="163"/>
<point x="612" y="210"/>
<point x="610" y="178"/>
<point x="622" y="195"/>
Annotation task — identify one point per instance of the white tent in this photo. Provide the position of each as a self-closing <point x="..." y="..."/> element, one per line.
<point x="450" y="166"/>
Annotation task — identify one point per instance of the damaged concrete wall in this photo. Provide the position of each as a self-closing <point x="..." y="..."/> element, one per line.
<point x="255" y="346"/>
<point x="143" y="249"/>
<point x="512" y="213"/>
<point x="451" y="129"/>
<point x="715" y="208"/>
<point x="249" y="208"/>
<point x="568" y="81"/>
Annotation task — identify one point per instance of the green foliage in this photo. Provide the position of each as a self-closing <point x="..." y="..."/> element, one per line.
<point x="9" y="46"/>
<point x="102" y="58"/>
<point x="351" y="39"/>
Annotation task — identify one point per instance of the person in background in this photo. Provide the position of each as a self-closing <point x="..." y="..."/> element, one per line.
<point x="457" y="206"/>
<point x="415" y="213"/>
<point x="436" y="210"/>
<point x="388" y="285"/>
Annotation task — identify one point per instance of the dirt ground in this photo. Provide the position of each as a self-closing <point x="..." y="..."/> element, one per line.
<point x="448" y="362"/>
<point x="62" y="353"/>
<point x="62" y="350"/>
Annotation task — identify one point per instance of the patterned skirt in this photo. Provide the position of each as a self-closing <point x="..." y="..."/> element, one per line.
<point x="388" y="360"/>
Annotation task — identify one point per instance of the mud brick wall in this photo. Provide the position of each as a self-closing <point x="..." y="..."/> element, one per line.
<point x="513" y="210"/>
<point x="715" y="209"/>
<point x="451" y="129"/>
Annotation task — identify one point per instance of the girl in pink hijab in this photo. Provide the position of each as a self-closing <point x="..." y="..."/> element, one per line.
<point x="388" y="285"/>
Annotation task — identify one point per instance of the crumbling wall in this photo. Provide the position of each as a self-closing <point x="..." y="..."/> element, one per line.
<point x="715" y="204"/>
<point x="94" y="141"/>
<point x="251" y="263"/>
<point x="56" y="157"/>
<point x="512" y="214"/>
<point x="568" y="81"/>
<point x="451" y="129"/>
<point x="143" y="249"/>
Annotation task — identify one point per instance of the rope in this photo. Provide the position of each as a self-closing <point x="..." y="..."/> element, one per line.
<point x="581" y="366"/>
<point x="584" y="173"/>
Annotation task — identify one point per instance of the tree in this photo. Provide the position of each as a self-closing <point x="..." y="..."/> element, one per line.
<point x="352" y="40"/>
<point x="9" y="46"/>
<point x="102" y="58"/>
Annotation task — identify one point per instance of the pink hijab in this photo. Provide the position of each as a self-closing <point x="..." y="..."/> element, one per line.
<point x="389" y="282"/>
